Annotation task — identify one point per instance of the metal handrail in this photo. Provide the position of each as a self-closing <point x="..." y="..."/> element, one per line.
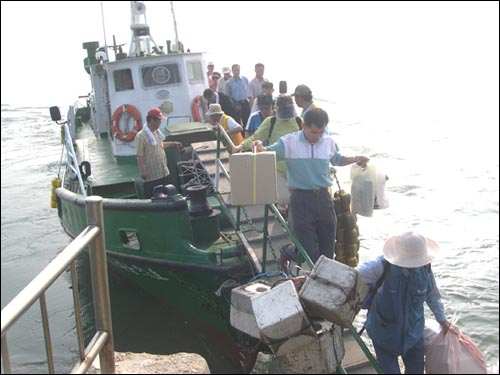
<point x="218" y="164"/>
<point x="102" y="343"/>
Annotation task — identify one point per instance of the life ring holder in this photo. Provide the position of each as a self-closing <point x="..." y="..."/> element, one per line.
<point x="195" y="108"/>
<point x="115" y="127"/>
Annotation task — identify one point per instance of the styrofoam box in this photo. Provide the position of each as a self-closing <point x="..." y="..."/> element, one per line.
<point x="317" y="354"/>
<point x="241" y="313"/>
<point x="333" y="291"/>
<point x="279" y="313"/>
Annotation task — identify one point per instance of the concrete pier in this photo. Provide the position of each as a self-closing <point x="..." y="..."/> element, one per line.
<point x="145" y="363"/>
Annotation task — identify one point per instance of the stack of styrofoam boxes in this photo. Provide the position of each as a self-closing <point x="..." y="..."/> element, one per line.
<point x="333" y="291"/>
<point x="276" y="317"/>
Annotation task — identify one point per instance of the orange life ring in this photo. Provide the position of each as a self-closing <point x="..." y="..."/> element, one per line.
<point x="127" y="137"/>
<point x="195" y="108"/>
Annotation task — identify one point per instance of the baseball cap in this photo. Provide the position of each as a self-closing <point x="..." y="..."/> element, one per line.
<point x="155" y="112"/>
<point x="302" y="90"/>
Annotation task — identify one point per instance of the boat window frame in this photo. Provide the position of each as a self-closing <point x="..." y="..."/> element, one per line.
<point x="192" y="74"/>
<point x="149" y="82"/>
<point x="118" y="81"/>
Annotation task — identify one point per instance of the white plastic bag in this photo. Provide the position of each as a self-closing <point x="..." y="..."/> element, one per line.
<point x="381" y="200"/>
<point x="453" y="353"/>
<point x="431" y="330"/>
<point x="363" y="189"/>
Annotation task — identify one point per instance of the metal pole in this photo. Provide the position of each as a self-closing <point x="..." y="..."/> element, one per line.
<point x="5" y="356"/>
<point x="46" y="332"/>
<point x="264" y="245"/>
<point x="100" y="284"/>
<point x="78" y="318"/>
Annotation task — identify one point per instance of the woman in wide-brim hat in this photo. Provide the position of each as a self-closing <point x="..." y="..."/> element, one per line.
<point x="395" y="320"/>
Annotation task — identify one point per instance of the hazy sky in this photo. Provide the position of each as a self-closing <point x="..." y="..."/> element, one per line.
<point x="360" y="44"/>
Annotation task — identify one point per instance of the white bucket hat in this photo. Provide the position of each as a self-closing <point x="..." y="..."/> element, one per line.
<point x="214" y="109"/>
<point x="410" y="250"/>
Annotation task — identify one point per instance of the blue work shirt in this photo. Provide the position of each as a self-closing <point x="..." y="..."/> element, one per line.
<point x="396" y="317"/>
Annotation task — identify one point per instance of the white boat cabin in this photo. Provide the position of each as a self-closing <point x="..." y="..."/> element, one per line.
<point x="125" y="89"/>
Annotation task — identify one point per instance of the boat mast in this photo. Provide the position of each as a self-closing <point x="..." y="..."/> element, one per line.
<point x="141" y="38"/>
<point x="176" y="47"/>
<point x="104" y="31"/>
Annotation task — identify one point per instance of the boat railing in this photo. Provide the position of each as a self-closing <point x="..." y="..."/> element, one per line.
<point x="259" y="264"/>
<point x="71" y="159"/>
<point x="221" y="132"/>
<point x="102" y="342"/>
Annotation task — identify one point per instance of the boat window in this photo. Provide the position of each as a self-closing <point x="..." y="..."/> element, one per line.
<point x="123" y="80"/>
<point x="160" y="75"/>
<point x="130" y="239"/>
<point x="194" y="71"/>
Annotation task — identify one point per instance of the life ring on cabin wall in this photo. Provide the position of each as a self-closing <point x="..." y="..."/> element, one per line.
<point x="195" y="108"/>
<point x="115" y="127"/>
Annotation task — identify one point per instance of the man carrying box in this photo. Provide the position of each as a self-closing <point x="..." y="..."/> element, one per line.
<point x="308" y="154"/>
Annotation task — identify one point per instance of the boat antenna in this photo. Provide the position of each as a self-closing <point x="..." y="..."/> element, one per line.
<point x="104" y="30"/>
<point x="175" y="28"/>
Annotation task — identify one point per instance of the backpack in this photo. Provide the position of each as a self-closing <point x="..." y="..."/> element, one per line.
<point x="298" y="120"/>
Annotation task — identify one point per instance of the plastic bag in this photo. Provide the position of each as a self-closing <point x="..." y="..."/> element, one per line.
<point x="453" y="353"/>
<point x="381" y="200"/>
<point x="431" y="330"/>
<point x="363" y="189"/>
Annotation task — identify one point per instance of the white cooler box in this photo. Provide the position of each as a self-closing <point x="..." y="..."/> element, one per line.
<point x="271" y="315"/>
<point x="318" y="354"/>
<point x="333" y="291"/>
<point x="241" y="313"/>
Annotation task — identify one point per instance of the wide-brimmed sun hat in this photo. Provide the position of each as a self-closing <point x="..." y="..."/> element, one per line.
<point x="410" y="250"/>
<point x="214" y="109"/>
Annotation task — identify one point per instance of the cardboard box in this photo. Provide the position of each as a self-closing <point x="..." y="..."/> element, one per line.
<point x="333" y="291"/>
<point x="253" y="178"/>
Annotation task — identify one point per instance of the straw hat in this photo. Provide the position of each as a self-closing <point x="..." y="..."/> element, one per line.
<point x="214" y="109"/>
<point x="410" y="250"/>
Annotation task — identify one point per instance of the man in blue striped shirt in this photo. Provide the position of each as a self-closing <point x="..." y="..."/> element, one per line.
<point x="308" y="154"/>
<point x="237" y="88"/>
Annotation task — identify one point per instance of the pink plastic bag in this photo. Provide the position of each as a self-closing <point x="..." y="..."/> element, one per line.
<point x="453" y="353"/>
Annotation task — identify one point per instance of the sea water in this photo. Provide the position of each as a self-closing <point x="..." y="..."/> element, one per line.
<point x="455" y="203"/>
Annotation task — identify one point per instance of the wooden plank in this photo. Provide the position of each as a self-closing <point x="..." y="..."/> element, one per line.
<point x="250" y="252"/>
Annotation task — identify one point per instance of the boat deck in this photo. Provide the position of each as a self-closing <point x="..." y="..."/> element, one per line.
<point x="252" y="217"/>
<point x="106" y="169"/>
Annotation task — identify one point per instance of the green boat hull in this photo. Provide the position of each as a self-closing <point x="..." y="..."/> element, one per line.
<point x="152" y="244"/>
